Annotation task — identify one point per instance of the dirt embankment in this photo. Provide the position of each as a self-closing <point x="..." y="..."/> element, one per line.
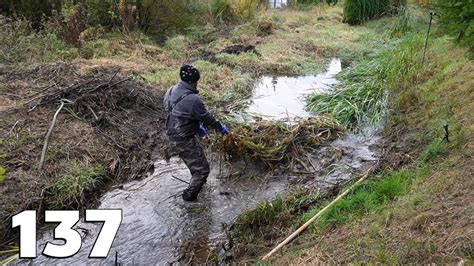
<point x="106" y="134"/>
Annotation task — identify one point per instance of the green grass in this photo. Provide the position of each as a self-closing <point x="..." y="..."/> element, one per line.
<point x="362" y="97"/>
<point x="434" y="150"/>
<point x="369" y="197"/>
<point x="80" y="178"/>
<point x="377" y="191"/>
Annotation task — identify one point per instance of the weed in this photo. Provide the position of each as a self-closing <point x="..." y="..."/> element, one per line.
<point x="68" y="190"/>
<point x="403" y="23"/>
<point x="2" y="174"/>
<point x="435" y="149"/>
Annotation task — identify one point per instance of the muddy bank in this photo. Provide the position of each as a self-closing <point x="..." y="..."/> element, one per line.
<point x="107" y="133"/>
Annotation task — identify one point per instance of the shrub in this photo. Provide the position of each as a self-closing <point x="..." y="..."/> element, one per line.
<point x="221" y="10"/>
<point x="311" y="2"/>
<point x="457" y="18"/>
<point x="247" y="10"/>
<point x="102" y="12"/>
<point x="358" y="11"/>
<point x="19" y="43"/>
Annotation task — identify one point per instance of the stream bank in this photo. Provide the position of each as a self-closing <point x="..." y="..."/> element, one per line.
<point x="159" y="227"/>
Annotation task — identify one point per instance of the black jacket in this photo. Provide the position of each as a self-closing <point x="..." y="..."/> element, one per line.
<point x="185" y="111"/>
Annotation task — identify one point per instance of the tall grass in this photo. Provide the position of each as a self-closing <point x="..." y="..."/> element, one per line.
<point x="363" y="96"/>
<point x="358" y="11"/>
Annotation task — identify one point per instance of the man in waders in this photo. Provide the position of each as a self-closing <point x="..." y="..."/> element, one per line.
<point x="188" y="117"/>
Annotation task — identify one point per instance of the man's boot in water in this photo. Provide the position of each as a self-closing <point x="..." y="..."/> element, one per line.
<point x="190" y="194"/>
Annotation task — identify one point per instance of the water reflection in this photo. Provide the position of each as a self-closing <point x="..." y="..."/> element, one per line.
<point x="284" y="97"/>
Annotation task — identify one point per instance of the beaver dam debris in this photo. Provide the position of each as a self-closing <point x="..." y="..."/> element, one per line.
<point x="275" y="141"/>
<point x="121" y="110"/>
<point x="109" y="127"/>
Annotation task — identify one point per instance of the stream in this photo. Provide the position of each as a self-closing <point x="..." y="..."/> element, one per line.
<point x="158" y="227"/>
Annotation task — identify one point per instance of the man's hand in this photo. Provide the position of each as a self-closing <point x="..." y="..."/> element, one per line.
<point x="202" y="131"/>
<point x="224" y="130"/>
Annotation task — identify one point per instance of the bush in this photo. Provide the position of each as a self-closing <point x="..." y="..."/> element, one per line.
<point x="221" y="11"/>
<point x="312" y="2"/>
<point x="457" y="18"/>
<point x="101" y="12"/>
<point x="19" y="43"/>
<point x="358" y="11"/>
<point x="247" y="10"/>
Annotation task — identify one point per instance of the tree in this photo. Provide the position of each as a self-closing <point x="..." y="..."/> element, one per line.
<point x="456" y="18"/>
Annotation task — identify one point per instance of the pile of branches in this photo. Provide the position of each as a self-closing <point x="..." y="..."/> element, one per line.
<point x="273" y="141"/>
<point x="125" y="113"/>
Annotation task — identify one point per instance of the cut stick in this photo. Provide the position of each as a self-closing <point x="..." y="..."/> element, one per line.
<point x="48" y="135"/>
<point x="310" y="221"/>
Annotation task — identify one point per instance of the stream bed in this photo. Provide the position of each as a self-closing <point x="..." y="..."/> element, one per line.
<point x="158" y="227"/>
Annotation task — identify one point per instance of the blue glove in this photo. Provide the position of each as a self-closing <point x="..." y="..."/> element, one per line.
<point x="202" y="131"/>
<point x="224" y="130"/>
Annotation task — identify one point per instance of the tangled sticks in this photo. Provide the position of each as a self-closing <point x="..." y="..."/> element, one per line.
<point x="274" y="141"/>
<point x="125" y="113"/>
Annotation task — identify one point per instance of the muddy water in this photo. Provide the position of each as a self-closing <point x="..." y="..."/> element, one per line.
<point x="158" y="227"/>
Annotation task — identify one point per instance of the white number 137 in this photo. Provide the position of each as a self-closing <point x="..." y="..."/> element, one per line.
<point x="67" y="219"/>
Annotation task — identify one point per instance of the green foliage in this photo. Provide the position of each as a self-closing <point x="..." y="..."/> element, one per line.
<point x="221" y="10"/>
<point x="265" y="213"/>
<point x="69" y="189"/>
<point x="2" y="174"/>
<point x="362" y="97"/>
<point x="102" y="12"/>
<point x="358" y="11"/>
<point x="19" y="43"/>
<point x="30" y="10"/>
<point x="246" y="10"/>
<point x="457" y="18"/>
<point x="170" y="15"/>
<point x="435" y="149"/>
<point x="403" y="23"/>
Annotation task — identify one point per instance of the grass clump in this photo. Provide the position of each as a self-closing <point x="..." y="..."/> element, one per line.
<point x="69" y="190"/>
<point x="435" y="149"/>
<point x="367" y="198"/>
<point x="2" y="174"/>
<point x="358" y="11"/>
<point x="363" y="95"/>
